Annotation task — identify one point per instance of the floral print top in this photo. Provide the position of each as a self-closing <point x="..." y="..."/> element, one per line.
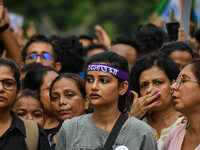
<point x="165" y="132"/>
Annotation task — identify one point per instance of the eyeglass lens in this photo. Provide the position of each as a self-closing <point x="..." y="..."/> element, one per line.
<point x="45" y="56"/>
<point x="8" y="84"/>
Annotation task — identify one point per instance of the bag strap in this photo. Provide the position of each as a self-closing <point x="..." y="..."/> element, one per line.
<point x="115" y="131"/>
<point x="32" y="134"/>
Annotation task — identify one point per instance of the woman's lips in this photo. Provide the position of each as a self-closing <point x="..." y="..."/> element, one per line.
<point x="94" y="96"/>
<point x="2" y="98"/>
<point x="174" y="98"/>
<point x="63" y="111"/>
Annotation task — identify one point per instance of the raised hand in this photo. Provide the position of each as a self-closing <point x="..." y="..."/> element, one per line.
<point x="1" y="10"/>
<point x="102" y="36"/>
<point x="181" y="35"/>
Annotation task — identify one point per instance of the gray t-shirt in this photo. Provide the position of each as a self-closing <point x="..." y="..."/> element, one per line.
<point x="80" y="133"/>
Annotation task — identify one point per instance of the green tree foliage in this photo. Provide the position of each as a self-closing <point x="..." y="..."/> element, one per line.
<point x="115" y="16"/>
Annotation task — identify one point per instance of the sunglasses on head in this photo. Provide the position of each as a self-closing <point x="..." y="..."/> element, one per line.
<point x="44" y="56"/>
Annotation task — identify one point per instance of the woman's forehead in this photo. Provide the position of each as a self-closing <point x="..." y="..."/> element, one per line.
<point x="6" y="72"/>
<point x="99" y="74"/>
<point x="187" y="70"/>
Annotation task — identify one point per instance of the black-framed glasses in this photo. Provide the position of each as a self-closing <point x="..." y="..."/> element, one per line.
<point x="44" y="56"/>
<point x="181" y="79"/>
<point x="8" y="84"/>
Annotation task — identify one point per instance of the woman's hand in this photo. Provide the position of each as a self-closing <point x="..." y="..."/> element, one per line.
<point x="141" y="105"/>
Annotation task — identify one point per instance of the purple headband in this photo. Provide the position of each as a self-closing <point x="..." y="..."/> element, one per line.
<point x="110" y="69"/>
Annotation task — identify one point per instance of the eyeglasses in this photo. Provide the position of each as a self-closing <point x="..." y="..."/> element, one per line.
<point x="8" y="84"/>
<point x="181" y="80"/>
<point x="44" y="56"/>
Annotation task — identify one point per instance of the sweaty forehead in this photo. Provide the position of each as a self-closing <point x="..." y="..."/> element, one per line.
<point x="40" y="47"/>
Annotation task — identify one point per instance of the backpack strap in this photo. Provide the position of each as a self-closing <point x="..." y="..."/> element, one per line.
<point x="115" y="131"/>
<point x="32" y="134"/>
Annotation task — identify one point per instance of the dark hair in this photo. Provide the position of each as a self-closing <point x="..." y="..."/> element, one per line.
<point x="197" y="35"/>
<point x="37" y="38"/>
<point x="150" y="37"/>
<point x="126" y="39"/>
<point x="93" y="46"/>
<point x="80" y="83"/>
<point x="2" y="47"/>
<point x="196" y="54"/>
<point x="195" y="68"/>
<point x="70" y="53"/>
<point x="170" y="47"/>
<point x="30" y="66"/>
<point x="145" y="62"/>
<point x="35" y="78"/>
<point x="115" y="60"/>
<point x="30" y="93"/>
<point x="14" y="68"/>
<point x="84" y="36"/>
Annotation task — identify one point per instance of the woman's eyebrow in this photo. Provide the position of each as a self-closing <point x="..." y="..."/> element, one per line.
<point x="104" y="76"/>
<point x="20" y="109"/>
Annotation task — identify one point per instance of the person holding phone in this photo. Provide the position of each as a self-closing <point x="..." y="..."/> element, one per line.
<point x="150" y="78"/>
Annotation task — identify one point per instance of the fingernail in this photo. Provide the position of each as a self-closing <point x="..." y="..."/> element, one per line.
<point x="156" y="102"/>
<point x="157" y="90"/>
<point x="157" y="93"/>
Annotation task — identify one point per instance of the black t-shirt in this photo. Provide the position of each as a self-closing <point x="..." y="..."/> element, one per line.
<point x="14" y="137"/>
<point x="53" y="130"/>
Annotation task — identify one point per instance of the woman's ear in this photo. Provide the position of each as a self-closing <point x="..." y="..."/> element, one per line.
<point x="123" y="87"/>
<point x="18" y="94"/>
<point x="58" y="66"/>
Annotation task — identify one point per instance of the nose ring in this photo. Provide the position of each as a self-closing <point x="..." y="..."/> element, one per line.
<point x="171" y="91"/>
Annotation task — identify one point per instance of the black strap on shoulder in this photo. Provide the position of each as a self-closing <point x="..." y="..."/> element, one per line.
<point x="115" y="131"/>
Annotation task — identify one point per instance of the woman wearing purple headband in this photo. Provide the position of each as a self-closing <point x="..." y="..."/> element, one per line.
<point x="107" y="90"/>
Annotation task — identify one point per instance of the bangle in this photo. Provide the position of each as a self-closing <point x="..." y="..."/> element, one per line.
<point x="3" y="28"/>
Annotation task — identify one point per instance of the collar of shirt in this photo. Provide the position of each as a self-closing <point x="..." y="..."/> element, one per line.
<point x="17" y="124"/>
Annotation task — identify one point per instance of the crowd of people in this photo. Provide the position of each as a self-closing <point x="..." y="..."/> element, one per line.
<point x="134" y="92"/>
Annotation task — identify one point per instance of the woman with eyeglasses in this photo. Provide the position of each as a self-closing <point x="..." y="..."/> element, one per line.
<point x="12" y="129"/>
<point x="107" y="90"/>
<point x="186" y="99"/>
<point x="150" y="79"/>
